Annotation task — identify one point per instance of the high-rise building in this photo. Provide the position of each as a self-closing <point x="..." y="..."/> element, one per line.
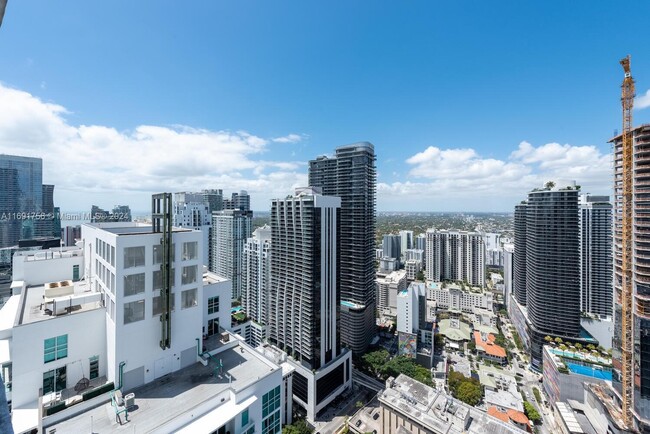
<point x="392" y="246"/>
<point x="214" y="199"/>
<point x="305" y="297"/>
<point x="406" y="240"/>
<point x="640" y="272"/>
<point x="70" y="234"/>
<point x="552" y="266"/>
<point x="256" y="281"/>
<point x="508" y="271"/>
<point x="230" y="230"/>
<point x="239" y="201"/>
<point x="120" y="213"/>
<point x="596" y="288"/>
<point x="387" y="288"/>
<point x="421" y="244"/>
<point x="21" y="197"/>
<point x="455" y="255"/>
<point x="190" y="211"/>
<point x="519" y="255"/>
<point x="351" y="175"/>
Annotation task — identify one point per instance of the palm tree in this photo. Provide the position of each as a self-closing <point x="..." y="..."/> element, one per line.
<point x="591" y="347"/>
<point x="578" y="346"/>
<point x="548" y="339"/>
<point x="558" y="340"/>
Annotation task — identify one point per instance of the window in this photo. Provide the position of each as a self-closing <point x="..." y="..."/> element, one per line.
<point x="133" y="311"/>
<point x="157" y="304"/>
<point x="189" y="275"/>
<point x="157" y="279"/>
<point x="112" y="256"/>
<point x="158" y="253"/>
<point x="55" y="348"/>
<point x="270" y="402"/>
<point x="190" y="251"/>
<point x="213" y="305"/>
<point x="133" y="257"/>
<point x="94" y="367"/>
<point x="75" y="273"/>
<point x="133" y="284"/>
<point x="188" y="298"/>
<point x="54" y="380"/>
<point x="271" y="425"/>
<point x="244" y="418"/>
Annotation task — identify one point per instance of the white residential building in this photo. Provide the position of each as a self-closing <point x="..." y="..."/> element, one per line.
<point x="230" y="230"/>
<point x="89" y="319"/>
<point x="508" y="271"/>
<point x="406" y="241"/>
<point x="455" y="255"/>
<point x="412" y="268"/>
<point x="449" y="296"/>
<point x="256" y="281"/>
<point x="387" y="288"/>
<point x="408" y="308"/>
<point x="191" y="211"/>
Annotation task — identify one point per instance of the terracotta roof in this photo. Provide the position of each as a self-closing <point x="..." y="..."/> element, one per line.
<point x="509" y="415"/>
<point x="489" y="346"/>
<point x="494" y="412"/>
<point x="517" y="416"/>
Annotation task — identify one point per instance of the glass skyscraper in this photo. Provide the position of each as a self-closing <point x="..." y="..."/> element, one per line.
<point x="351" y="175"/>
<point x="21" y="196"/>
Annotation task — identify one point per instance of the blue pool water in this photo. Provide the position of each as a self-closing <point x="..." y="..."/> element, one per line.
<point x="600" y="374"/>
<point x="235" y="309"/>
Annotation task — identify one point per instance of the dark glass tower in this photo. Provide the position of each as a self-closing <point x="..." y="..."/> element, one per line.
<point x="21" y="196"/>
<point x="552" y="267"/>
<point x="351" y="175"/>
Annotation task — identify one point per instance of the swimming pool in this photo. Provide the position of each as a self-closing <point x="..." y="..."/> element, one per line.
<point x="235" y="309"/>
<point x="588" y="371"/>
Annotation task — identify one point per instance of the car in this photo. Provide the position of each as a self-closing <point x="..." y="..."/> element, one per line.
<point x="375" y="416"/>
<point x="357" y="424"/>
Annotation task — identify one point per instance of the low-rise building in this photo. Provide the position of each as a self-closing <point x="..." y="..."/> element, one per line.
<point x="459" y="297"/>
<point x="488" y="350"/>
<point x="413" y="407"/>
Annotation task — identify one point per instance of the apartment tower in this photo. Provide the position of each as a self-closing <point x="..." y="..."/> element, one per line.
<point x="305" y="296"/>
<point x="596" y="288"/>
<point x="351" y="175"/>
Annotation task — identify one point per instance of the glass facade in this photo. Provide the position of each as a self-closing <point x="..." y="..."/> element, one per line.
<point x="21" y="196"/>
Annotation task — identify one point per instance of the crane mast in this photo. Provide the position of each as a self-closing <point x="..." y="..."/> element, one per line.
<point x="627" y="285"/>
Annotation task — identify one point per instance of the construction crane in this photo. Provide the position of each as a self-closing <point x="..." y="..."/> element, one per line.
<point x="627" y="286"/>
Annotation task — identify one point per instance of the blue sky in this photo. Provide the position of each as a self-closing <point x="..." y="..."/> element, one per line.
<point x="469" y="103"/>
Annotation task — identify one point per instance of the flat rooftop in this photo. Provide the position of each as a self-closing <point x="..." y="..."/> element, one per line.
<point x="438" y="411"/>
<point x="36" y="305"/>
<point x="209" y="278"/>
<point x="163" y="400"/>
<point x="130" y="228"/>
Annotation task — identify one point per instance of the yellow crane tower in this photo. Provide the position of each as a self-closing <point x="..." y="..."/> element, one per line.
<point x="627" y="286"/>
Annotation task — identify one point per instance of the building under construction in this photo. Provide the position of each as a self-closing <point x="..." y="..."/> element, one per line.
<point x="631" y="343"/>
<point x="639" y="324"/>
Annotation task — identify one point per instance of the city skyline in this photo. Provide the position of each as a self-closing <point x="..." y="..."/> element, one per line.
<point x="265" y="119"/>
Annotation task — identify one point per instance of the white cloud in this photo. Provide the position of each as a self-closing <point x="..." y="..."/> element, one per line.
<point x="101" y="159"/>
<point x="643" y="101"/>
<point x="463" y="179"/>
<point x="290" y="138"/>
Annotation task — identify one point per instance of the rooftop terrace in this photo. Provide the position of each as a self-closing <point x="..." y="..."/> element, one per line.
<point x="160" y="402"/>
<point x="55" y="299"/>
